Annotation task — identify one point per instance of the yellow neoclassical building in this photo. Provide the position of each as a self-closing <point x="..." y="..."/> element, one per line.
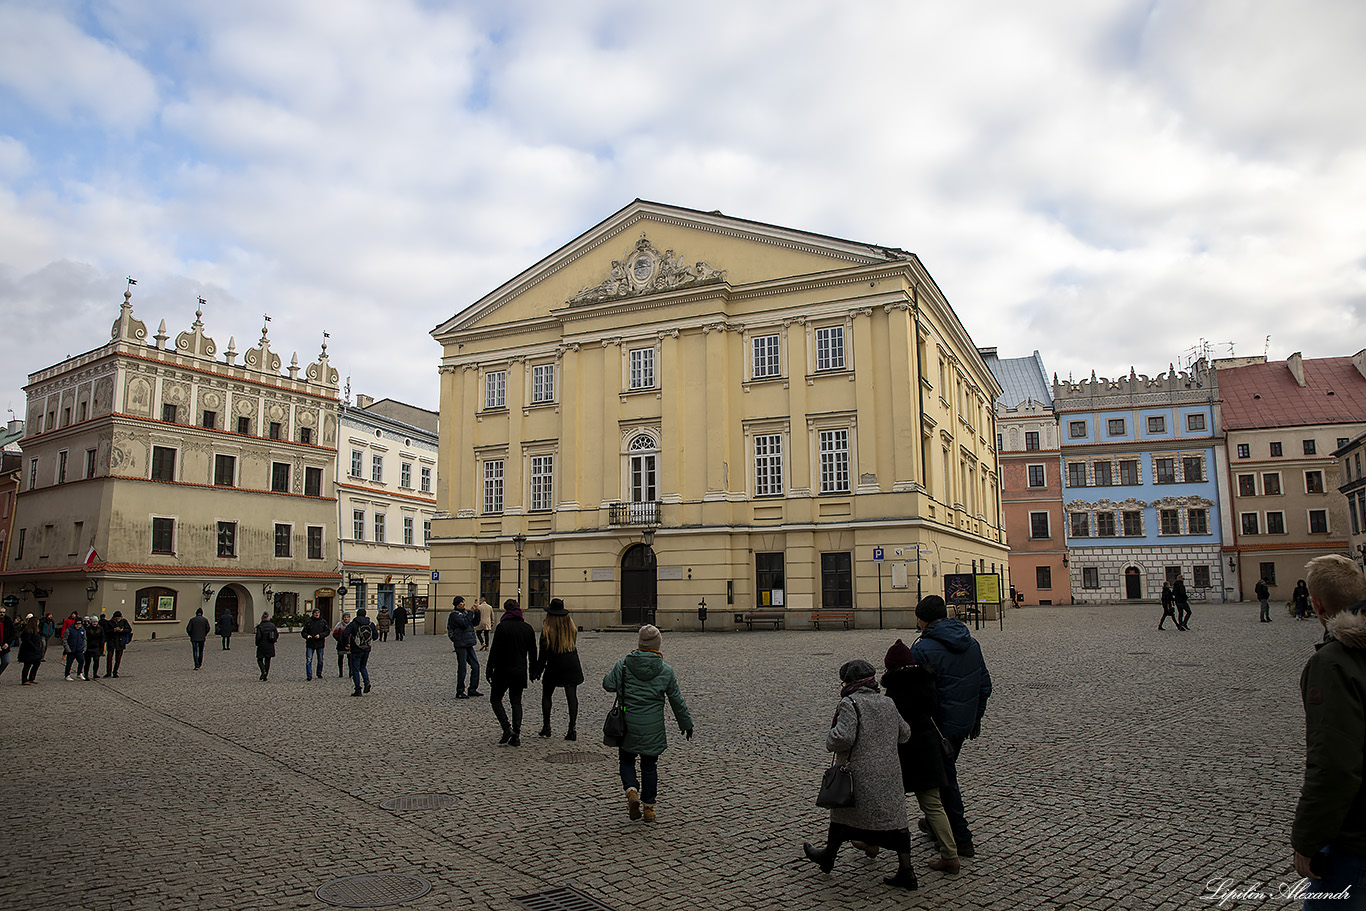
<point x="679" y="406"/>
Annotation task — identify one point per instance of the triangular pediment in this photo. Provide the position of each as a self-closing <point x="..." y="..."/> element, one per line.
<point x="652" y="249"/>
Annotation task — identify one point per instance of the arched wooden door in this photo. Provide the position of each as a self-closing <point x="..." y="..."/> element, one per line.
<point x="639" y="585"/>
<point x="1133" y="583"/>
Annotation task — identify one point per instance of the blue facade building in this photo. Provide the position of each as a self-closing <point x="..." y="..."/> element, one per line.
<point x="1140" y="491"/>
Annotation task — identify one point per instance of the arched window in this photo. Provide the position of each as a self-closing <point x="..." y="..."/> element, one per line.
<point x="643" y="476"/>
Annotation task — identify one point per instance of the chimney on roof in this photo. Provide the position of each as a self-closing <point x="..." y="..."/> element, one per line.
<point x="17" y="426"/>
<point x="1359" y="361"/>
<point x="1296" y="365"/>
<point x="365" y="401"/>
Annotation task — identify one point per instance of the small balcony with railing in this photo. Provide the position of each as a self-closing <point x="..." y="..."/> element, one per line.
<point x="634" y="514"/>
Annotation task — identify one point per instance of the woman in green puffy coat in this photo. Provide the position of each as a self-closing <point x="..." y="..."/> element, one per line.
<point x="645" y="681"/>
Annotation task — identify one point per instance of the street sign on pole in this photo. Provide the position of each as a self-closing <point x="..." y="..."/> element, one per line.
<point x="878" y="554"/>
<point x="436" y="575"/>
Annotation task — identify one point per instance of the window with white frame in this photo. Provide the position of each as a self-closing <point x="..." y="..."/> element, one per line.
<point x="408" y="530"/>
<point x="379" y="528"/>
<point x="768" y="464"/>
<point x="496" y="389"/>
<point x="1318" y="521"/>
<point x="405" y="474"/>
<point x="493" y="486"/>
<point x="358" y="524"/>
<point x="1038" y="526"/>
<point x="641" y="362"/>
<point x="641" y="468"/>
<point x="377" y="468"/>
<point x="830" y="348"/>
<point x="356" y="463"/>
<point x="542" y="383"/>
<point x="426" y="532"/>
<point x="284" y="540"/>
<point x="1195" y="422"/>
<point x="426" y="475"/>
<point x="834" y="460"/>
<point x="766" y="356"/>
<point x="1038" y="476"/>
<point x="542" y="483"/>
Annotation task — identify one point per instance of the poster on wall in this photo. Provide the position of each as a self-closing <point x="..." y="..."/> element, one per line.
<point x="960" y="588"/>
<point x="988" y="588"/>
<point x="142" y="608"/>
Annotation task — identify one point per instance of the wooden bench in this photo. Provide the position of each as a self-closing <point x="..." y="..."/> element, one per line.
<point x="832" y="616"/>
<point x="777" y="618"/>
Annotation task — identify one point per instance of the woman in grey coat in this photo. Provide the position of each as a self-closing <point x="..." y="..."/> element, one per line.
<point x="867" y="728"/>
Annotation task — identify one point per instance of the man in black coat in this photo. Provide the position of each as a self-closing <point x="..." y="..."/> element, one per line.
<point x="512" y="651"/>
<point x="1264" y="596"/>
<point x="1183" y="602"/>
<point x="315" y="642"/>
<point x="9" y="638"/>
<point x="400" y="622"/>
<point x="198" y="631"/>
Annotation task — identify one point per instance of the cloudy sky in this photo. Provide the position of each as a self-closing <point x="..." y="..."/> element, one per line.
<point x="1109" y="182"/>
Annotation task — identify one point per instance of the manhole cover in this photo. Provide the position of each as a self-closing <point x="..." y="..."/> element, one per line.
<point x="421" y="802"/>
<point x="372" y="890"/>
<point x="560" y="900"/>
<point x="572" y="756"/>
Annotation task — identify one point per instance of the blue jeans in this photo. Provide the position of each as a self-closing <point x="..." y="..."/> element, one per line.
<point x="1345" y="871"/>
<point x="464" y="654"/>
<point x="359" y="657"/>
<point x="309" y="652"/>
<point x="197" y="649"/>
<point x="649" y="773"/>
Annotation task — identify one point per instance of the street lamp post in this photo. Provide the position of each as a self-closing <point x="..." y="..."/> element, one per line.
<point x="519" y="542"/>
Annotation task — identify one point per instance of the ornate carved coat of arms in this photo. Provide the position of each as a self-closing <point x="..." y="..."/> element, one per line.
<point x="645" y="270"/>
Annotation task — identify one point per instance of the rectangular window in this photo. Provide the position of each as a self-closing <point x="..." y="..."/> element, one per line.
<point x="1133" y="524"/>
<point x="66" y="416"/>
<point x="405" y="474"/>
<point x="834" y="454"/>
<point x="770" y="580"/>
<point x="1164" y="471"/>
<point x="1342" y="441"/>
<point x="1195" y="422"/>
<point x="306" y="436"/>
<point x="1244" y="450"/>
<point x="19" y="545"/>
<point x="1115" y="427"/>
<point x="1170" y="521"/>
<point x="538" y="584"/>
<point x="33" y="474"/>
<point x="1318" y="521"/>
<point x="1076" y="474"/>
<point x="1271" y="484"/>
<point x="642" y="368"/>
<point x="283" y="536"/>
<point x="211" y="419"/>
<point x="496" y="389"/>
<point x="244" y="425"/>
<point x="837" y="581"/>
<point x="356" y="463"/>
<point x="313" y="482"/>
<point x="1268" y="572"/>
<point x="89" y="463"/>
<point x="1081" y="525"/>
<point x="1309" y="447"/>
<point x="1038" y="526"/>
<point x="1197" y="521"/>
<point x="426" y="532"/>
<point x="315" y="542"/>
<point x="1313" y="482"/>
<point x="1103" y="471"/>
<point x="358" y="524"/>
<point x="426" y="475"/>
<point x="61" y="467"/>
<point x="768" y="464"/>
<point x="408" y="530"/>
<point x="1275" y="448"/>
<point x="1128" y="471"/>
<point x="1076" y="430"/>
<point x="766" y="356"/>
<point x="543" y="383"/>
<point x="380" y="537"/>
<point x="1200" y="576"/>
<point x="1043" y="577"/>
<point x="493" y="486"/>
<point x="1250" y="523"/>
<point x="279" y="477"/>
<point x="377" y="468"/>
<point x="1038" y="476"/>
<point x="542" y="488"/>
<point x="224" y="471"/>
<point x="1275" y="523"/>
<point x="830" y="348"/>
<point x="1192" y="469"/>
<point x="163" y="536"/>
<point x="275" y="429"/>
<point x="1157" y="424"/>
<point x="1105" y="524"/>
<point x="1090" y="577"/>
<point x="227" y="539"/>
<point x="1031" y="441"/>
<point x="1247" y="485"/>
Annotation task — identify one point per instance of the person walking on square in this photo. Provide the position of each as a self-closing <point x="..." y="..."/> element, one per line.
<point x="558" y="666"/>
<point x="30" y="650"/>
<point x="116" y="638"/>
<point x="646" y="683"/>
<point x="198" y="631"/>
<point x="382" y="623"/>
<point x="266" y="636"/>
<point x="484" y="626"/>
<point x="868" y="729"/>
<point x="400" y="622"/>
<point x="510" y="657"/>
<point x="47" y="628"/>
<point x="964" y="688"/>
<point x="9" y="636"/>
<point x="1168" y="606"/>
<point x="226" y="622"/>
<point x="1300" y="596"/>
<point x="315" y="643"/>
<point x="1183" y="603"/>
<point x="74" y="642"/>
<point x="460" y="629"/>
<point x="360" y="638"/>
<point x="912" y="688"/>
<point x="339" y="635"/>
<point x="1329" y="831"/>
<point x="94" y="648"/>
<point x="1264" y="599"/>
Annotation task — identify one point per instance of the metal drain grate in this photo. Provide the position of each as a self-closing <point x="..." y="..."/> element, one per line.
<point x="372" y="890"/>
<point x="560" y="900"/>
<point x="422" y="802"/>
<point x="570" y="757"/>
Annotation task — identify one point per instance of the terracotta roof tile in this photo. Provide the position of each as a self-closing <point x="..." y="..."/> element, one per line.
<point x="1266" y="395"/>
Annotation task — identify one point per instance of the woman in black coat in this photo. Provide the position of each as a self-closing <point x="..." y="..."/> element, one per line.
<point x="512" y="653"/>
<point x="558" y="665"/>
<point x="911" y="686"/>
<point x="31" y="646"/>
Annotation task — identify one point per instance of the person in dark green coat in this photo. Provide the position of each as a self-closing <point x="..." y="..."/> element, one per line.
<point x="645" y="682"/>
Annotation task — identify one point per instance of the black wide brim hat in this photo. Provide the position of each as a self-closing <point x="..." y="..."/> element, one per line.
<point x="556" y="609"/>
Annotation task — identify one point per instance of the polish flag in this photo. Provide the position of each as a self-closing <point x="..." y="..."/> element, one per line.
<point x="91" y="557"/>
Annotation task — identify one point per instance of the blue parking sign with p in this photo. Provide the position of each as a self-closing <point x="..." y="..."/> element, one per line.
<point x="878" y="554"/>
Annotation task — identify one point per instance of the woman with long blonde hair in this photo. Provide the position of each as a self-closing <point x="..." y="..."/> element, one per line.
<point x="557" y="664"/>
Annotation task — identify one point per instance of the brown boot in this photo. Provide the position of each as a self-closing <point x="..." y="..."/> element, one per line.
<point x="633" y="803"/>
<point x="649" y="811"/>
<point x="948" y="865"/>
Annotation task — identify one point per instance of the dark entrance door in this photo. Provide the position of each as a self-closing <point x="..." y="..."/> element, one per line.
<point x="490" y="580"/>
<point x="638" y="586"/>
<point x="324" y="605"/>
<point x="227" y="597"/>
<point x="1133" y="584"/>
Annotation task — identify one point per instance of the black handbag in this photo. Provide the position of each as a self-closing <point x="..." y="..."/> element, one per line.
<point x="837" y="784"/>
<point x="945" y="748"/>
<point x="614" y="727"/>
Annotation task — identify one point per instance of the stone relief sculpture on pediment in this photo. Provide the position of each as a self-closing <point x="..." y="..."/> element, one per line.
<point x="644" y="270"/>
<point x="1107" y="504"/>
<point x="1192" y="500"/>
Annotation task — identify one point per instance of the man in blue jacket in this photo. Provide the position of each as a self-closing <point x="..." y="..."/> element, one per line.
<point x="964" y="687"/>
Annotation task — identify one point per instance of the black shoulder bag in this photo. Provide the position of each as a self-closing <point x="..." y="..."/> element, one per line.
<point x="837" y="785"/>
<point x="614" y="727"/>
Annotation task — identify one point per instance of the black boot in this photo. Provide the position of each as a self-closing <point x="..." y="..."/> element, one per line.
<point x="905" y="878"/>
<point x="571" y="734"/>
<point x="507" y="735"/>
<point x="823" y="859"/>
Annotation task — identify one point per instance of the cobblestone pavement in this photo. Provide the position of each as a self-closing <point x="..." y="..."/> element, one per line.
<point x="1119" y="767"/>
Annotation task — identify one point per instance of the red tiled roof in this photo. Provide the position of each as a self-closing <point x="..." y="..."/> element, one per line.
<point x="1266" y="395"/>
